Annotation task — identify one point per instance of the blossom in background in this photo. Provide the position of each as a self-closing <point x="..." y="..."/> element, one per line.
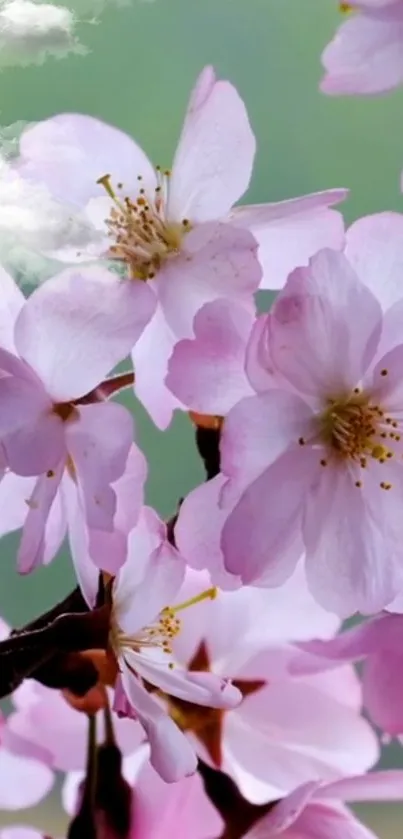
<point x="313" y="457"/>
<point x="30" y="31"/>
<point x="25" y="779"/>
<point x="183" y="808"/>
<point x="267" y="748"/>
<point x="318" y="810"/>
<point x="55" y="348"/>
<point x="143" y="624"/>
<point x="379" y="643"/>
<point x="366" y="54"/>
<point x="177" y="230"/>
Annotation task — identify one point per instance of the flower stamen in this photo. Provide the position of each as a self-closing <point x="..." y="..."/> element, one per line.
<point x="142" y="236"/>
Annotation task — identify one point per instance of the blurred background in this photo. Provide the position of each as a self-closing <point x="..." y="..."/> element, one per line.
<point x="141" y="61"/>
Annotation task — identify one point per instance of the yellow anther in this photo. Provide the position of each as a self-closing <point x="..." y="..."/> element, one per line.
<point x="379" y="452"/>
<point x="105" y="181"/>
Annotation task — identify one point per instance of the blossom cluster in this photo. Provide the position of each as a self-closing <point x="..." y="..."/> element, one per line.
<point x="196" y="682"/>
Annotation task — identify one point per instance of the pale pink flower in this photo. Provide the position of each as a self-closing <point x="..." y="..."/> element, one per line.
<point x="143" y="623"/>
<point x="91" y="549"/>
<point x="159" y="810"/>
<point x="44" y="727"/>
<point x="177" y="230"/>
<point x="379" y="643"/>
<point x="317" y="809"/>
<point x="287" y="730"/>
<point x="314" y="454"/>
<point x="55" y="348"/>
<point x="366" y="54"/>
<point x="25" y="780"/>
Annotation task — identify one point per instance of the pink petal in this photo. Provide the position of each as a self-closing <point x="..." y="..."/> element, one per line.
<point x="86" y="571"/>
<point x="374" y="248"/>
<point x="382" y="691"/>
<point x="284" y="814"/>
<point x="389" y="389"/>
<point x="386" y="785"/>
<point x="316" y="341"/>
<point x="260" y="539"/>
<point x="308" y="748"/>
<point x="14" y="493"/>
<point x="290" y="232"/>
<point x="207" y="373"/>
<point x="218" y="260"/>
<point x="24" y="781"/>
<point x="171" y="753"/>
<point x="32" y="549"/>
<point x="150" y="577"/>
<point x="366" y="54"/>
<point x="77" y="326"/>
<point x="38" y="447"/>
<point x="381" y="634"/>
<point x="214" y="158"/>
<point x="69" y="152"/>
<point x="204" y="689"/>
<point x="99" y="444"/>
<point x="198" y="531"/>
<point x="156" y="342"/>
<point x="11" y="303"/>
<point x="183" y="808"/>
<point x="330" y="822"/>
<point x="351" y="565"/>
<point x="109" y="550"/>
<point x="259" y="366"/>
<point x="258" y="430"/>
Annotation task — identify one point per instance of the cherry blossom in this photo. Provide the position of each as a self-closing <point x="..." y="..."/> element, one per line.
<point x="263" y="744"/>
<point x="92" y="549"/>
<point x="183" y="808"/>
<point x="314" y="454"/>
<point x="378" y="643"/>
<point x="143" y="624"/>
<point x="44" y="726"/>
<point x="55" y="348"/>
<point x="366" y="54"/>
<point x="315" y="809"/>
<point x="176" y="230"/>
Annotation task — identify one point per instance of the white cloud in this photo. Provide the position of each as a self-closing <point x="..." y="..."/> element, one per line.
<point x="30" y="31"/>
<point x="33" y="223"/>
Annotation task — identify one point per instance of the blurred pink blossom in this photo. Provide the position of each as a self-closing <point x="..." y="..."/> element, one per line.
<point x="366" y="54"/>
<point x="317" y="809"/>
<point x="279" y="736"/>
<point x="379" y="643"/>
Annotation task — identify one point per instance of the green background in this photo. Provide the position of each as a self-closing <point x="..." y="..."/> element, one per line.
<point x="142" y="62"/>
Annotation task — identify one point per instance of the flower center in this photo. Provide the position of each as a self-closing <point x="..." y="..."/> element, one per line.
<point x="158" y="635"/>
<point x="354" y="428"/>
<point x="142" y="236"/>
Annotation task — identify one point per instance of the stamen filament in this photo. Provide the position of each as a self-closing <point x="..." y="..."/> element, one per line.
<point x="210" y="593"/>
